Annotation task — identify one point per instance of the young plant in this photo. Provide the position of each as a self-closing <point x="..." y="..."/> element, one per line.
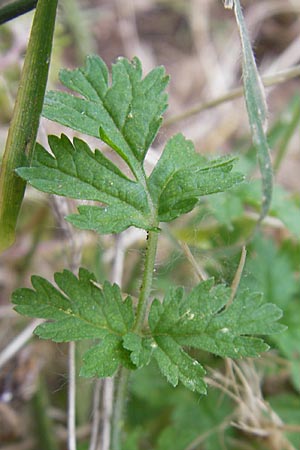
<point x="126" y="114"/>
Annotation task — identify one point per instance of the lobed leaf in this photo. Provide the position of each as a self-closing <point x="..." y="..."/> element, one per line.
<point x="103" y="359"/>
<point x="127" y="112"/>
<point x="78" y="309"/>
<point x="181" y="176"/>
<point x="140" y="348"/>
<point x="176" y="365"/>
<point x="202" y="320"/>
<point x="75" y="171"/>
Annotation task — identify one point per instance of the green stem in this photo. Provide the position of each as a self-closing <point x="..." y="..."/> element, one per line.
<point x="121" y="394"/>
<point x="147" y="280"/>
<point x="25" y="121"/>
<point x="15" y="9"/>
<point x="122" y="380"/>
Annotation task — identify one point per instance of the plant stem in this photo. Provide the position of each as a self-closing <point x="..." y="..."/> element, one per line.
<point x="106" y="413"/>
<point x="121" y="393"/>
<point x="25" y="121"/>
<point x="72" y="399"/>
<point x="15" y="9"/>
<point x="18" y="342"/>
<point x="95" y="414"/>
<point x="122" y="380"/>
<point x="270" y="80"/>
<point x="147" y="280"/>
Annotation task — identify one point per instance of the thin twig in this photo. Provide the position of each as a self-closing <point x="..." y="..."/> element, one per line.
<point x="201" y="274"/>
<point x="62" y="208"/>
<point x="118" y="262"/>
<point x="109" y="383"/>
<point x="271" y="80"/>
<point x="107" y="411"/>
<point x="71" y="397"/>
<point x="237" y="276"/>
<point x="16" y="345"/>
<point x="29" y="444"/>
<point x="200" y="439"/>
<point x="96" y="415"/>
<point x="7" y="312"/>
<point x="119" y="405"/>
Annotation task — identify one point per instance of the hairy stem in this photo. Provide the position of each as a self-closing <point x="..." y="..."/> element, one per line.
<point x="121" y="393"/>
<point x="147" y="280"/>
<point x="122" y="379"/>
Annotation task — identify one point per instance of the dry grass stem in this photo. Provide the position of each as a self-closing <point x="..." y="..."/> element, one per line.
<point x="18" y="342"/>
<point x="237" y="276"/>
<point x="268" y="81"/>
<point x="253" y="415"/>
<point x="199" y="271"/>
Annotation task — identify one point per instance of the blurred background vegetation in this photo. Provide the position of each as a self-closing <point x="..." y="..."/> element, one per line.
<point x="250" y="404"/>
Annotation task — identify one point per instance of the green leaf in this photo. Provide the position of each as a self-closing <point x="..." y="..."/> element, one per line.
<point x="287" y="406"/>
<point x="202" y="320"/>
<point x="271" y="271"/>
<point x="140" y="349"/>
<point x="288" y="342"/>
<point x="104" y="359"/>
<point x="181" y="176"/>
<point x="75" y="171"/>
<point x="193" y="418"/>
<point x="284" y="205"/>
<point x="80" y="309"/>
<point x="286" y="208"/>
<point x="127" y="111"/>
<point x="257" y="110"/>
<point x="176" y="365"/>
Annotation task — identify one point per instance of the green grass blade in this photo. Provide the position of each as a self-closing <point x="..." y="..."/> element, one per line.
<point x="257" y="111"/>
<point x="25" y="121"/>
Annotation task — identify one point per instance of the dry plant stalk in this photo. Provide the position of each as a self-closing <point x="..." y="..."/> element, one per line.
<point x="253" y="415"/>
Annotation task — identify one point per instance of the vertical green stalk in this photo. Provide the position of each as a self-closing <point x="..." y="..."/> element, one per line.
<point x="24" y="125"/>
<point x="123" y="375"/>
<point x="121" y="393"/>
<point x="147" y="280"/>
